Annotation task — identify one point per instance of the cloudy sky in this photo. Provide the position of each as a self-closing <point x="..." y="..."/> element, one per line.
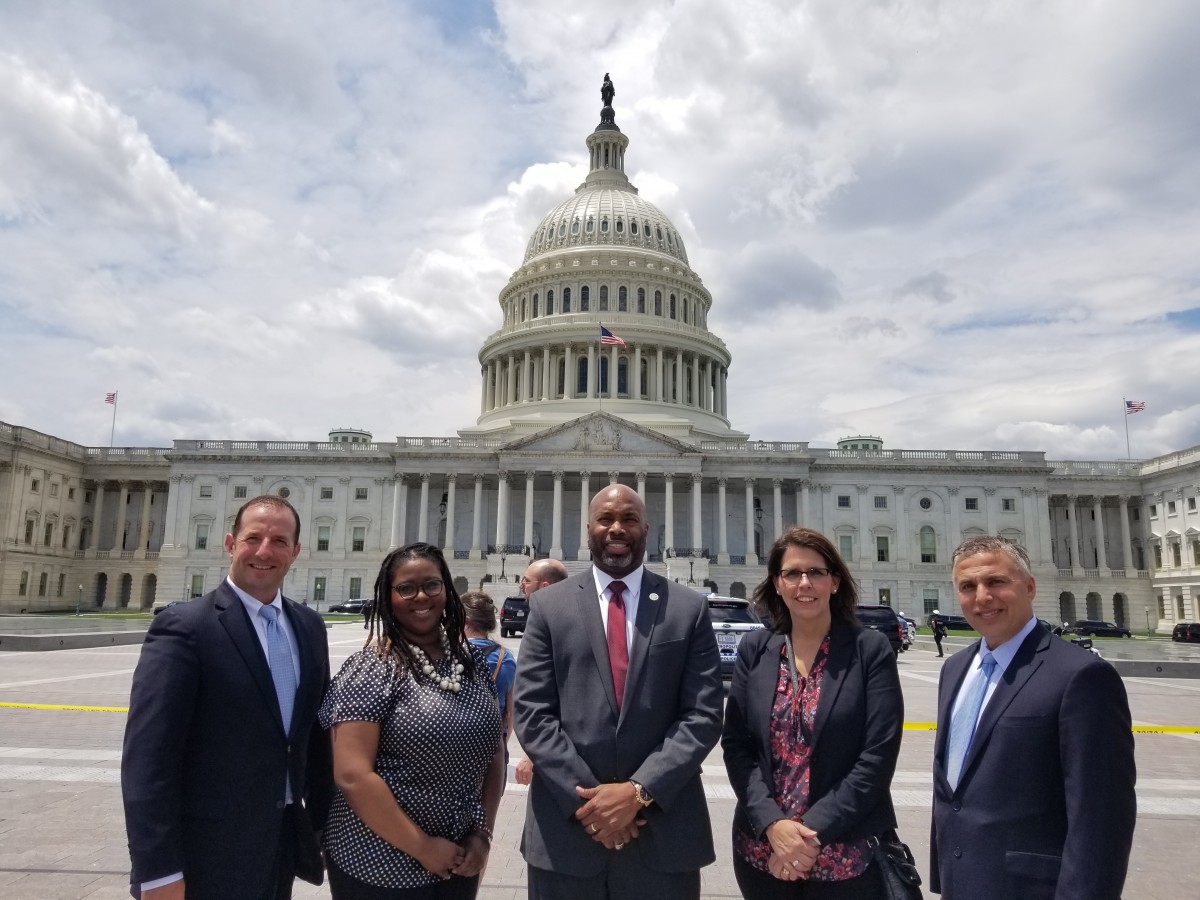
<point x="953" y="225"/>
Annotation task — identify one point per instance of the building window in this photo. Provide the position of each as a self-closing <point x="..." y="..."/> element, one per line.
<point x="1137" y="514"/>
<point x="566" y="300"/>
<point x="928" y="545"/>
<point x="53" y="489"/>
<point x="88" y="496"/>
<point x="62" y="583"/>
<point x="881" y="548"/>
<point x="930" y="599"/>
<point x="205" y="491"/>
<point x="1157" y="556"/>
<point x="603" y="298"/>
<point x="239" y="492"/>
<point x="360" y="493"/>
<point x="322" y="537"/>
<point x="35" y="485"/>
<point x="1154" y="510"/>
<point x="885" y="596"/>
<point x="66" y="536"/>
<point x="641" y="295"/>
<point x="1008" y="504"/>
<point x="622" y="299"/>
<point x="197" y="586"/>
<point x="202" y="536"/>
<point x="843" y="501"/>
<point x="23" y="589"/>
<point x="971" y="504"/>
<point x="550" y="294"/>
<point x="880" y="501"/>
<point x="1191" y="504"/>
<point x="319" y="590"/>
<point x="326" y="493"/>
<point x="48" y="534"/>
<point x="358" y="539"/>
<point x="356" y="582"/>
<point x="658" y="303"/>
<point x="42" y="580"/>
<point x="1170" y="507"/>
<point x="1176" y="559"/>
<point x="29" y="523"/>
<point x="585" y="298"/>
<point x="71" y="493"/>
<point x="846" y="546"/>
<point x="926" y="503"/>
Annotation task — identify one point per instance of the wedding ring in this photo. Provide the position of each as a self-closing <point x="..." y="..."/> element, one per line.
<point x="796" y="863"/>
<point x="619" y="846"/>
<point x="594" y="828"/>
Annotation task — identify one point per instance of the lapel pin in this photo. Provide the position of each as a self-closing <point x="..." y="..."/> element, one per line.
<point x="654" y="596"/>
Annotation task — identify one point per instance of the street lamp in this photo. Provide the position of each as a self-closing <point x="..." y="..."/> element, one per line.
<point x="1147" y="623"/>
<point x="79" y="602"/>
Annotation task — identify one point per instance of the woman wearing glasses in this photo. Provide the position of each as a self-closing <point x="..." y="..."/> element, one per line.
<point x="416" y="741"/>
<point x="812" y="733"/>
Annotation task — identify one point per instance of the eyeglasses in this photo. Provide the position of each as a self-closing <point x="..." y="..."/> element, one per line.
<point x="408" y="591"/>
<point x="525" y="580"/>
<point x="795" y="576"/>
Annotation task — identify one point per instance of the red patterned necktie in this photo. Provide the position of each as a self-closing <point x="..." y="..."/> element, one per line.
<point x="618" y="650"/>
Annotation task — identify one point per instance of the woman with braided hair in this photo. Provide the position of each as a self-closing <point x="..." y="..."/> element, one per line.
<point x="416" y="744"/>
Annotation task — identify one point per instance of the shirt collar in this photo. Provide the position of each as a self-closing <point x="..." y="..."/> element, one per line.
<point x="1005" y="652"/>
<point x="632" y="581"/>
<point x="253" y="604"/>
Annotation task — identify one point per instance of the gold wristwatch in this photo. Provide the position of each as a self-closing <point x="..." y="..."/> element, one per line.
<point x="643" y="795"/>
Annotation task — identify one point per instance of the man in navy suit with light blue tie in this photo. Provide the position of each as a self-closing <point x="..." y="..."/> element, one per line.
<point x="225" y="776"/>
<point x="1033" y="771"/>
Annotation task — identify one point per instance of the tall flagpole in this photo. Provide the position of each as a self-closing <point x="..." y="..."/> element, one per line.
<point x="112" y="398"/>
<point x="1125" y="413"/>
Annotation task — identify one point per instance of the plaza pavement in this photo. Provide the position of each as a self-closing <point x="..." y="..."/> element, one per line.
<point x="62" y="833"/>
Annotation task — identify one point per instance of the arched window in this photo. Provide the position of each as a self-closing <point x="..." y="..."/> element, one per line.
<point x="584" y="298"/>
<point x="658" y="303"/>
<point x="604" y="226"/>
<point x="535" y="306"/>
<point x="633" y="227"/>
<point x="603" y="386"/>
<point x="603" y="307"/>
<point x="622" y="299"/>
<point x="641" y="300"/>
<point x="645" y="379"/>
<point x="591" y="226"/>
<point x="672" y="315"/>
<point x="623" y="378"/>
<point x="575" y="227"/>
<point x="549" y="303"/>
<point x="581" y="380"/>
<point x="928" y="544"/>
<point x="566" y="300"/>
<point x="687" y="305"/>
<point x="562" y="377"/>
<point x="620" y="226"/>
<point x="562" y="229"/>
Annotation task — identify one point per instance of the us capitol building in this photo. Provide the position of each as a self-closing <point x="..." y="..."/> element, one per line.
<point x="563" y="414"/>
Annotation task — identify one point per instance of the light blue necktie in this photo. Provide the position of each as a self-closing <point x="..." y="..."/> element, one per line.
<point x="279" y="657"/>
<point x="962" y="725"/>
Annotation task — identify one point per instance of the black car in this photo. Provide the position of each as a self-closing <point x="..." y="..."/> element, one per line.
<point x="349" y="606"/>
<point x="952" y="623"/>
<point x="884" y="619"/>
<point x="1097" y="628"/>
<point x="1187" y="633"/>
<point x="513" y="614"/>
<point x="159" y="609"/>
<point x="732" y="619"/>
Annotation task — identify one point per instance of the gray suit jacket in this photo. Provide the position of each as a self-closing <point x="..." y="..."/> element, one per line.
<point x="1045" y="807"/>
<point x="568" y="723"/>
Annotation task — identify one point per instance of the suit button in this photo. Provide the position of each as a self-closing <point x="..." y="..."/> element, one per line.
<point x="956" y="806"/>
<point x="279" y="804"/>
<point x="957" y="853"/>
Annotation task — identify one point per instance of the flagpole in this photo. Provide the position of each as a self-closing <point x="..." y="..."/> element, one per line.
<point x="112" y="434"/>
<point x="1125" y="412"/>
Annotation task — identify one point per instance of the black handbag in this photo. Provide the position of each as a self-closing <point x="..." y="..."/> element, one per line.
<point x="897" y="868"/>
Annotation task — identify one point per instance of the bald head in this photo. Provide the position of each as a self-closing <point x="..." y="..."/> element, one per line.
<point x="542" y="573"/>
<point x="617" y="530"/>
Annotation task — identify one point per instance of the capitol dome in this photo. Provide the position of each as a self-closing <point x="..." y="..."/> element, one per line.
<point x="605" y="263"/>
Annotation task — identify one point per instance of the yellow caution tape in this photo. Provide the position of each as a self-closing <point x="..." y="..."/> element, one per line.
<point x="112" y="709"/>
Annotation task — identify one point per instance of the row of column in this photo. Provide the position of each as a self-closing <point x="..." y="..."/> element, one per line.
<point x="531" y="375"/>
<point x="1078" y="538"/>
<point x="143" y="542"/>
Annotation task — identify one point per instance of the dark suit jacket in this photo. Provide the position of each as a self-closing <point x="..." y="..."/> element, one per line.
<point x="855" y="741"/>
<point x="567" y="722"/>
<point x="1045" y="806"/>
<point x="205" y="753"/>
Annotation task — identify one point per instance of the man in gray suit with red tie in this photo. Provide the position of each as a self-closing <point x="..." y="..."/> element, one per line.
<point x="1033" y="771"/>
<point x="618" y="702"/>
<point x="224" y="774"/>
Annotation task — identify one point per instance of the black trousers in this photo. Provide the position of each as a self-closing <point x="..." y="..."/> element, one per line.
<point x="624" y="880"/>
<point x="347" y="887"/>
<point x="756" y="884"/>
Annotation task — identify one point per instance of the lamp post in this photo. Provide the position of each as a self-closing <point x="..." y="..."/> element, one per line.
<point x="1147" y="622"/>
<point x="79" y="602"/>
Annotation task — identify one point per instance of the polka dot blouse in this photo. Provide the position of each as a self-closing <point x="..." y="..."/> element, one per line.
<point x="434" y="750"/>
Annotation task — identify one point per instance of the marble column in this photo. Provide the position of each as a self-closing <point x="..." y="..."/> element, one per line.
<point x="528" y="535"/>
<point x="476" y="551"/>
<point x="423" y="510"/>
<point x="952" y="508"/>
<point x="546" y="375"/>
<point x="777" y="500"/>
<point x="722" y="524"/>
<point x="635" y="377"/>
<point x="451" y="490"/>
<point x="171" y="515"/>
<point x="613" y="362"/>
<point x="903" y="538"/>
<point x="569" y="373"/>
<point x="122" y="503"/>
<point x="1072" y="516"/>
<point x="502" y="510"/>
<point x="144" y="526"/>
<point x="751" y="556"/>
<point x="97" y="511"/>
<point x="1101" y="552"/>
<point x="696" y="382"/>
<point x="658" y="377"/>
<point x="1123" y="505"/>
<point x="1043" y="503"/>
<point x="556" y="550"/>
<point x="526" y="379"/>
<point x="641" y="485"/>
<point x="697" y="538"/>
<point x="593" y="377"/>
<point x="989" y="509"/>
<point x="585" y="497"/>
<point x="669" y="515"/>
<point x="866" y="552"/>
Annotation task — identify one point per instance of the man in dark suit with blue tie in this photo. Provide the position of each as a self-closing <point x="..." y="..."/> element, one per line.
<point x="1033" y="771"/>
<point x="618" y="701"/>
<point x="225" y="776"/>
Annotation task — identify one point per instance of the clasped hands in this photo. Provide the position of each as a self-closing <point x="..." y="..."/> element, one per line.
<point x="610" y="813"/>
<point x="443" y="858"/>
<point x="794" y="849"/>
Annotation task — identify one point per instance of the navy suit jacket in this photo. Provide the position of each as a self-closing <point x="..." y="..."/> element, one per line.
<point x="569" y="725"/>
<point x="1045" y="806"/>
<point x="205" y="755"/>
<point x="855" y="740"/>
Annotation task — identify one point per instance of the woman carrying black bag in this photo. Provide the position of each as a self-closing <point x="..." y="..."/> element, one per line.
<point x="812" y="734"/>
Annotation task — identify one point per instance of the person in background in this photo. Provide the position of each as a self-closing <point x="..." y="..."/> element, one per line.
<point x="416" y="744"/>
<point x="541" y="573"/>
<point x="939" y="632"/>
<point x="812" y="733"/>
<point x="480" y="610"/>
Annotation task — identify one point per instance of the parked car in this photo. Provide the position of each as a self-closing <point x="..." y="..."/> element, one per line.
<point x="884" y="619"/>
<point x="732" y="619"/>
<point x="1187" y="632"/>
<point x="349" y="606"/>
<point x="952" y="623"/>
<point x="1097" y="628"/>
<point x="513" y="614"/>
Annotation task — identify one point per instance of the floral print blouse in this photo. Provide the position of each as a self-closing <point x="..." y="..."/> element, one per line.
<point x="792" y="716"/>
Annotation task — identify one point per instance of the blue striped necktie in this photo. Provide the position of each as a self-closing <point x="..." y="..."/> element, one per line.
<point x="962" y="724"/>
<point x="279" y="657"/>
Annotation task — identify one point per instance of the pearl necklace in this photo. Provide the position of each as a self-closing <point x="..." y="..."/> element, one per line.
<point x="453" y="684"/>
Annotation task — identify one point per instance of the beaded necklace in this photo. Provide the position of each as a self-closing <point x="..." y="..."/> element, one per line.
<point x="452" y="684"/>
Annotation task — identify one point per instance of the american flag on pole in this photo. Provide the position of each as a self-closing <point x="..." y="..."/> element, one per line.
<point x="1134" y="406"/>
<point x="607" y="338"/>
<point x="111" y="398"/>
